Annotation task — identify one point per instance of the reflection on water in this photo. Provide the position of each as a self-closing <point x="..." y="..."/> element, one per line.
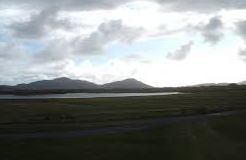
<point x="83" y="95"/>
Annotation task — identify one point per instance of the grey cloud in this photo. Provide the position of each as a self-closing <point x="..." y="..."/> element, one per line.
<point x="212" y="31"/>
<point x="13" y="61"/>
<point x="181" y="53"/>
<point x="66" y="4"/>
<point x="202" y="5"/>
<point x="242" y="54"/>
<point x="241" y="29"/>
<point x="10" y="51"/>
<point x="59" y="50"/>
<point x="39" y="25"/>
<point x="26" y="69"/>
<point x="30" y="72"/>
<point x="178" y="5"/>
<point x="106" y="33"/>
<point x="56" y="50"/>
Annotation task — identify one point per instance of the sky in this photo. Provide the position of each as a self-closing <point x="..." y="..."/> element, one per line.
<point x="159" y="42"/>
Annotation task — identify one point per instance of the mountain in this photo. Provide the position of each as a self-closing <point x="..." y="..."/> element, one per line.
<point x="211" y="84"/>
<point x="242" y="83"/>
<point x="64" y="83"/>
<point x="59" y="83"/>
<point x="6" y="88"/>
<point x="126" y="84"/>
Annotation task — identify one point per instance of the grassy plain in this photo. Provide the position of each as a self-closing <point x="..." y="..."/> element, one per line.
<point x="216" y="139"/>
<point x="209" y="139"/>
<point x="108" y="109"/>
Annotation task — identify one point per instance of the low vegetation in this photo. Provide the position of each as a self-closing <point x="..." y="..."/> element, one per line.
<point x="103" y="109"/>
<point x="207" y="139"/>
<point x="222" y="138"/>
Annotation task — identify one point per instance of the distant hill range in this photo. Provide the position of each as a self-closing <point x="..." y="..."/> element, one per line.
<point x="212" y="84"/>
<point x="218" y="84"/>
<point x="126" y="84"/>
<point x="70" y="84"/>
<point x="59" y="83"/>
<point x="242" y="83"/>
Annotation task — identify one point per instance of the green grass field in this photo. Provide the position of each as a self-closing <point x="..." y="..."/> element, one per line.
<point x="108" y="109"/>
<point x="223" y="138"/>
<point x="220" y="138"/>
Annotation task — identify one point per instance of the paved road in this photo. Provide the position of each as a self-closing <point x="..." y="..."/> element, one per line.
<point x="105" y="127"/>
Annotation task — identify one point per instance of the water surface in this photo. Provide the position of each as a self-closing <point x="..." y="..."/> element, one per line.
<point x="83" y="95"/>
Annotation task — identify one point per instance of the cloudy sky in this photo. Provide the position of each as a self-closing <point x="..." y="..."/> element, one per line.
<point x="159" y="42"/>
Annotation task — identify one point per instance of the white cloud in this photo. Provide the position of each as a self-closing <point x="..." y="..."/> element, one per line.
<point x="66" y="34"/>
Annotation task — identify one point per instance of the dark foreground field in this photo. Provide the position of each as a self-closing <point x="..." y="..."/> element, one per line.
<point x="159" y="127"/>
<point x="217" y="139"/>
